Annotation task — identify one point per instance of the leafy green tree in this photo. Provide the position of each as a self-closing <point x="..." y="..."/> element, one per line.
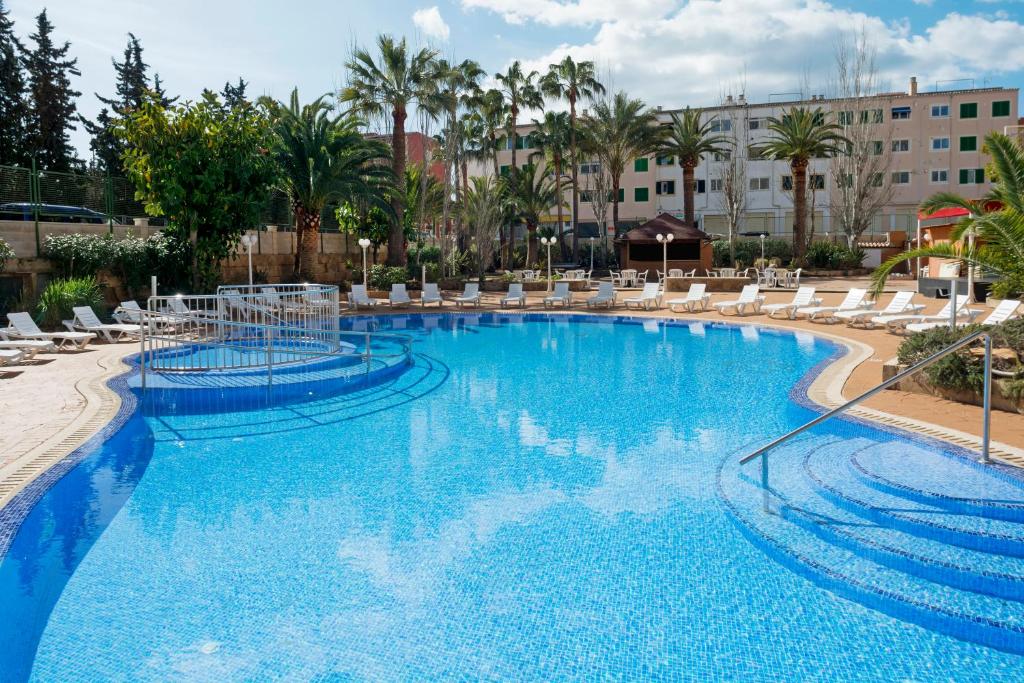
<point x="552" y="139"/>
<point x="389" y="86"/>
<point x="617" y="132"/>
<point x="799" y="135"/>
<point x="13" y="107"/>
<point x="520" y="92"/>
<point x="530" y="193"/>
<point x="573" y="81"/>
<point x="482" y="209"/>
<point x="689" y="141"/>
<point x="51" y="106"/>
<point x="323" y="157"/>
<point x="992" y="236"/>
<point x="208" y="169"/>
<point x="234" y="95"/>
<point x="130" y="91"/>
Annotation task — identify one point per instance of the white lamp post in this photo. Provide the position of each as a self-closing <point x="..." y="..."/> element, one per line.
<point x="763" y="264"/>
<point x="364" y="243"/>
<point x="248" y="241"/>
<point x="548" y="242"/>
<point x="591" y="252"/>
<point x="664" y="239"/>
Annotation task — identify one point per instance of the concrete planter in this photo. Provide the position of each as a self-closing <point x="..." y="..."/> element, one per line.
<point x="713" y="284"/>
<point x="919" y="384"/>
<point x="848" y="272"/>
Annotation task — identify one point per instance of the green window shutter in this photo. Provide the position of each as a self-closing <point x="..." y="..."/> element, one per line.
<point x="641" y="194"/>
<point x="1001" y="108"/>
<point x="963" y="176"/>
<point x="503" y="170"/>
<point x="622" y="194"/>
<point x="969" y="110"/>
<point x="979" y="175"/>
<point x="968" y="143"/>
<point x="640" y="165"/>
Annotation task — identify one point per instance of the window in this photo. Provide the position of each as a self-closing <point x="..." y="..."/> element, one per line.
<point x="872" y="116"/>
<point x="641" y="194"/>
<point x="720" y="125"/>
<point x="589" y="167"/>
<point x="901" y="146"/>
<point x="522" y="142"/>
<point x="972" y="176"/>
<point x="845" y="180"/>
<point x="876" y="179"/>
<point x="662" y="160"/>
<point x="758" y="184"/>
<point x="640" y="165"/>
<point x="716" y="184"/>
<point x="968" y="143"/>
<point x="757" y="124"/>
<point x="845" y="118"/>
<point x="876" y="147"/>
<point x="503" y="170"/>
<point x="901" y="177"/>
<point x="900" y="113"/>
<point x="665" y="187"/>
<point x="940" y="111"/>
<point x="699" y="187"/>
<point x="787" y="183"/>
<point x="622" y="195"/>
<point x="723" y="155"/>
<point x="1001" y="108"/>
<point x="940" y="175"/>
<point x="586" y="195"/>
<point x="969" y="110"/>
<point x="939" y="144"/>
<point x="754" y="152"/>
<point x="677" y="250"/>
<point x="816" y="181"/>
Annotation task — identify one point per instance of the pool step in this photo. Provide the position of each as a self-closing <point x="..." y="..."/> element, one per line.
<point x="960" y="591"/>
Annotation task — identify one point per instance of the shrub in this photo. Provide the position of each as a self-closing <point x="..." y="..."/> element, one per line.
<point x="749" y="251"/>
<point x="61" y="295"/>
<point x="827" y="255"/>
<point x="424" y="254"/>
<point x="5" y="253"/>
<point x="382" y="277"/>
<point x="132" y="259"/>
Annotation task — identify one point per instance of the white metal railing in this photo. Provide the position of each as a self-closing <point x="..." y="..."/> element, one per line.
<point x="256" y="327"/>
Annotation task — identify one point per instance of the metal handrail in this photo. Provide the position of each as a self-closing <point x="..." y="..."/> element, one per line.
<point x="762" y="452"/>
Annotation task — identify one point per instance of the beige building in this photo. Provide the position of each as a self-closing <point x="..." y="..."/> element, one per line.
<point x="928" y="141"/>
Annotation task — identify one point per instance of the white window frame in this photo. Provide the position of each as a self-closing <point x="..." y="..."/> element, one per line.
<point x="940" y="107"/>
<point x="900" y="175"/>
<point x="715" y="185"/>
<point x="658" y="185"/>
<point x="767" y="183"/>
<point x="940" y="149"/>
<point x="931" y="176"/>
<point x="899" y="143"/>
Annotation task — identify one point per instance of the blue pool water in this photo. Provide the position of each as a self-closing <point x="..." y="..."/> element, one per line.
<point x="533" y="499"/>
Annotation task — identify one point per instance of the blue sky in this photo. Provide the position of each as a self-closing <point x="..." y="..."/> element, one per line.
<point x="669" y="52"/>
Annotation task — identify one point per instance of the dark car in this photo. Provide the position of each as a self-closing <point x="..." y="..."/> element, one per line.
<point x="52" y="213"/>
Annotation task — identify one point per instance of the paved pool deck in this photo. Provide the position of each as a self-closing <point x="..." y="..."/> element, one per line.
<point x="50" y="406"/>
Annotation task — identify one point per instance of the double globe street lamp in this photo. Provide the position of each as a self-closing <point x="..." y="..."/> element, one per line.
<point x="664" y="239"/>
<point x="548" y="242"/>
<point x="364" y="243"/>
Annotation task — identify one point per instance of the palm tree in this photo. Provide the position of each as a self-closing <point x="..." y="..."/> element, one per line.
<point x="690" y="141"/>
<point x="520" y="91"/>
<point x="800" y="135"/>
<point x="324" y="158"/>
<point x="489" y="107"/>
<point x="483" y="210"/>
<point x="422" y="189"/>
<point x="992" y="236"/>
<point x="531" y="193"/>
<point x="572" y="81"/>
<point x="400" y="79"/>
<point x="618" y="132"/>
<point x="551" y="137"/>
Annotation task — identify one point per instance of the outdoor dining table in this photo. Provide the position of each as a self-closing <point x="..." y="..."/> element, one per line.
<point x="726" y="272"/>
<point x="629" y="276"/>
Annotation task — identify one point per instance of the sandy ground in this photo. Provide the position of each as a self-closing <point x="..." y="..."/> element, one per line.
<point x="57" y="401"/>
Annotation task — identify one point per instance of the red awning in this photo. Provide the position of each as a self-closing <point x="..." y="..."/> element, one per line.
<point x="951" y="212"/>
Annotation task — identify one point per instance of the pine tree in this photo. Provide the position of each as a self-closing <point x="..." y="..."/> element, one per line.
<point x="234" y="95"/>
<point x="160" y="94"/>
<point x="131" y="87"/>
<point x="12" y="95"/>
<point x="52" y="111"/>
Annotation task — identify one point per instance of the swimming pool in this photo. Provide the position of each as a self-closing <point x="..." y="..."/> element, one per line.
<point x="536" y="497"/>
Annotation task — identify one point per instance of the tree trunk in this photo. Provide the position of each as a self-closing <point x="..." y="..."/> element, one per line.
<point x="575" y="180"/>
<point x="799" y="168"/>
<point x="688" y="190"/>
<point x="396" y="238"/>
<point x="615" y="206"/>
<point x="307" y="227"/>
<point x="513" y="114"/>
<point x="531" y="246"/>
<point x="558" y="194"/>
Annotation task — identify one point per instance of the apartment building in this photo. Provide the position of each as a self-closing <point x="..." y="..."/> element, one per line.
<point x="932" y="141"/>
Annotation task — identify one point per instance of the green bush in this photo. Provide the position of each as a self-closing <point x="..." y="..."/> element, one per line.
<point x="962" y="370"/>
<point x="424" y="254"/>
<point x="61" y="295"/>
<point x="830" y="256"/>
<point x="748" y="251"/>
<point x="5" y="253"/>
<point x="382" y="277"/>
<point x="132" y="259"/>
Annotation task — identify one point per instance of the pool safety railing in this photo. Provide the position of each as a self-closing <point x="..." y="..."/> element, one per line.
<point x="762" y="452"/>
<point x="257" y="327"/>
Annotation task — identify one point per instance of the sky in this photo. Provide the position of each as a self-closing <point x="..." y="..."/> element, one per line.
<point x="668" y="52"/>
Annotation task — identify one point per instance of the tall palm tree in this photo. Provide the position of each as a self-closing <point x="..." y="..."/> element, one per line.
<point x="422" y="189"/>
<point x="572" y="81"/>
<point x="457" y="84"/>
<point x="324" y="157"/>
<point x="995" y="224"/>
<point x="551" y="138"/>
<point x="531" y="193"/>
<point x="617" y="132"/>
<point x="799" y="135"/>
<point x="520" y="92"/>
<point x="389" y="86"/>
<point x="483" y="210"/>
<point x="690" y="141"/>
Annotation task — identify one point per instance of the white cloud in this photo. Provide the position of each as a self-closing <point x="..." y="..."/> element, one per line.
<point x="674" y="54"/>
<point x="926" y="3"/>
<point x="430" y="21"/>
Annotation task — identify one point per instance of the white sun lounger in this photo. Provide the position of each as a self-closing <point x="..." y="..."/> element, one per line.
<point x="398" y="296"/>
<point x="896" y="323"/>
<point x="359" y="297"/>
<point x="560" y="297"/>
<point x="749" y="299"/>
<point x="22" y="326"/>
<point x="853" y="301"/>
<point x="1006" y="309"/>
<point x="515" y="295"/>
<point x="650" y="295"/>
<point x="274" y="300"/>
<point x="696" y="299"/>
<point x="470" y="295"/>
<point x="86" y="320"/>
<point x="431" y="295"/>
<point x="605" y="296"/>
<point x="899" y="304"/>
<point x="130" y="312"/>
<point x="29" y="347"/>
<point x="11" y="356"/>
<point x="804" y="297"/>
